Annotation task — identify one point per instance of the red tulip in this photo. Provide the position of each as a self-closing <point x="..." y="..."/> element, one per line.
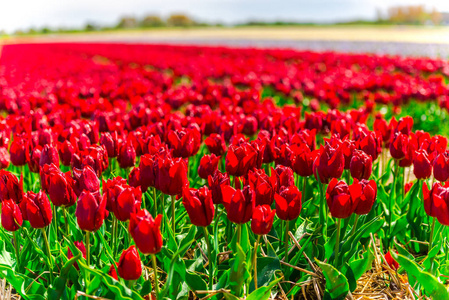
<point x="146" y="232"/>
<point x="239" y="204"/>
<point x="147" y="171"/>
<point x="82" y="248"/>
<point x="391" y="262"/>
<point x="363" y="193"/>
<point x="185" y="143"/>
<point x="38" y="210"/>
<point x="10" y="187"/>
<point x="66" y="151"/>
<point x="398" y="146"/>
<point x="208" y="165"/>
<point x="34" y="158"/>
<point x="429" y="198"/>
<point x="85" y="179"/>
<point x="265" y="186"/>
<point x="110" y="142"/>
<point x="329" y="164"/>
<point x="441" y="167"/>
<point x="112" y="189"/>
<point x="171" y="175"/>
<point x="126" y="156"/>
<point x="288" y="203"/>
<point x="215" y="182"/>
<point x="49" y="156"/>
<point x="112" y="272"/>
<point x="90" y="211"/>
<point x="60" y="189"/>
<point x="240" y="159"/>
<point x="285" y="176"/>
<point x="215" y="144"/>
<point x="4" y="158"/>
<point x="361" y="165"/>
<point x="303" y="158"/>
<point x="129" y="265"/>
<point x="422" y="166"/>
<point x="198" y="204"/>
<point x="18" y="151"/>
<point x="371" y="144"/>
<point x="128" y="201"/>
<point x="11" y="215"/>
<point x="262" y="219"/>
<point x="339" y="200"/>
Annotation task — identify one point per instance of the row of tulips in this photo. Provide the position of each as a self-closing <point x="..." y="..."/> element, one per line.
<point x="167" y="187"/>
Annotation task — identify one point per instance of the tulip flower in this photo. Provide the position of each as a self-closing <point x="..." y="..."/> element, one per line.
<point x="171" y="175"/>
<point x="85" y="180"/>
<point x="185" y="143"/>
<point x="239" y="204"/>
<point x="90" y="211"/>
<point x="371" y="144"/>
<point x="422" y="166"/>
<point x="398" y="146"/>
<point x="146" y="232"/>
<point x="38" y="210"/>
<point x="441" y="167"/>
<point x="262" y="219"/>
<point x="112" y="272"/>
<point x="339" y="200"/>
<point x="11" y="215"/>
<point x="285" y="176"/>
<point x="265" y="186"/>
<point x="303" y="158"/>
<point x="129" y="266"/>
<point x="81" y="247"/>
<point x="208" y="165"/>
<point x="429" y="197"/>
<point x="126" y="156"/>
<point x="215" y="144"/>
<point x="10" y="187"/>
<point x="147" y="171"/>
<point x="34" y="159"/>
<point x="49" y="156"/>
<point x="363" y="193"/>
<point x="215" y="182"/>
<point x="66" y="151"/>
<point x="198" y="204"/>
<point x="288" y="203"/>
<point x="329" y="164"/>
<point x="4" y="158"/>
<point x="60" y="189"/>
<point x="112" y="189"/>
<point x="361" y="165"/>
<point x="110" y="142"/>
<point x="391" y="262"/>
<point x="18" y="151"/>
<point x="240" y="159"/>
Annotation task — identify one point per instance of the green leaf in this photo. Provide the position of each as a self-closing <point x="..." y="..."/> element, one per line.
<point x="239" y="272"/>
<point x="264" y="292"/>
<point x="195" y="282"/>
<point x="434" y="288"/>
<point x="336" y="283"/>
<point x="266" y="268"/>
<point x="60" y="283"/>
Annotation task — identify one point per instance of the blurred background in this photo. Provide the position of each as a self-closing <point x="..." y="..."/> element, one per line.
<point x="410" y="27"/>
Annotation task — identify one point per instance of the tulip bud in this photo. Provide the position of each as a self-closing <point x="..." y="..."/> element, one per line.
<point x="60" y="189"/>
<point x="146" y="232"/>
<point x="288" y="203"/>
<point x="239" y="204"/>
<point x="339" y="200"/>
<point x="329" y="164"/>
<point x="10" y="187"/>
<point x="129" y="265"/>
<point x="171" y="175"/>
<point x="441" y="167"/>
<point x="127" y="202"/>
<point x="208" y="165"/>
<point x="11" y="215"/>
<point x="18" y="151"/>
<point x="361" y="165"/>
<point x="198" y="204"/>
<point x="147" y="171"/>
<point x="49" y="156"/>
<point x="262" y="219"/>
<point x="363" y="193"/>
<point x="422" y="166"/>
<point x="34" y="158"/>
<point x="215" y="144"/>
<point x="85" y="179"/>
<point x="38" y="210"/>
<point x="90" y="211"/>
<point x="126" y="156"/>
<point x="215" y="182"/>
<point x="264" y="186"/>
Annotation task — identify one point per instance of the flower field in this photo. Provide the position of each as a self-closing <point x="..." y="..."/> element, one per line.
<point x="186" y="172"/>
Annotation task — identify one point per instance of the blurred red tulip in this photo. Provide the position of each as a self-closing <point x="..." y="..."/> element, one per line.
<point x="11" y="215"/>
<point x="361" y="165"/>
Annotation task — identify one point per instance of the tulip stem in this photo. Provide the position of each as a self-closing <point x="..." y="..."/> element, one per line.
<point x="256" y="246"/>
<point x="337" y="240"/>
<point x="114" y="235"/>
<point x="304" y="186"/>
<point x="154" y="202"/>
<point x="209" y="257"/>
<point x="156" y="283"/>
<point x="239" y="233"/>
<point x="88" y="247"/>
<point x="16" y="247"/>
<point x="431" y="234"/>
<point x="355" y="224"/>
<point x="286" y="240"/>
<point x="47" y="246"/>
<point x="173" y="225"/>
<point x="65" y="220"/>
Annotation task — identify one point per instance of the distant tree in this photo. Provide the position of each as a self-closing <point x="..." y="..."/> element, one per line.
<point x="152" y="21"/>
<point x="180" y="20"/>
<point x="45" y="30"/>
<point x="90" y="27"/>
<point x="127" y="22"/>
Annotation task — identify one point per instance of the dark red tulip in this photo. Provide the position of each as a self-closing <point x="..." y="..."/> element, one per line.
<point x="429" y="198"/>
<point x="391" y="262"/>
<point x="146" y="232"/>
<point x="185" y="143"/>
<point x="240" y="159"/>
<point x="398" y="146"/>
<point x="215" y="182"/>
<point x="90" y="211"/>
<point x="129" y="266"/>
<point x="110" y="142"/>
<point x="339" y="200"/>
<point x="34" y="159"/>
<point x="126" y="156"/>
<point x="208" y="165"/>
<point x="215" y="144"/>
<point x="112" y="272"/>
<point x="23" y="204"/>
<point x="363" y="193"/>
<point x="239" y="204"/>
<point x="18" y="151"/>
<point x="171" y="175"/>
<point x="198" y="204"/>
<point x="329" y="164"/>
<point x="348" y="148"/>
<point x="265" y="186"/>
<point x="112" y="189"/>
<point x="82" y="248"/>
<point x="303" y="159"/>
<point x="60" y="189"/>
<point x="85" y="179"/>
<point x="284" y="175"/>
<point x="405" y="125"/>
<point x="441" y="167"/>
<point x="128" y="202"/>
<point x="11" y="215"/>
<point x="49" y="156"/>
<point x="422" y="166"/>
<point x="66" y="151"/>
<point x="134" y="178"/>
<point x="4" y="158"/>
<point x="38" y="210"/>
<point x="288" y="203"/>
<point x="441" y="204"/>
<point x="361" y="165"/>
<point x="262" y="219"/>
<point x="147" y="171"/>
<point x="10" y="187"/>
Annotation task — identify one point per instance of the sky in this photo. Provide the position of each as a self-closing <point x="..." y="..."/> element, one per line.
<point x="24" y="14"/>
